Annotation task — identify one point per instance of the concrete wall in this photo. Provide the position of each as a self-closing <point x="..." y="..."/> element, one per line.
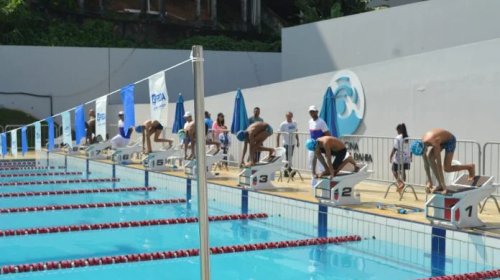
<point x="76" y="75"/>
<point x="455" y="88"/>
<point x="386" y="34"/>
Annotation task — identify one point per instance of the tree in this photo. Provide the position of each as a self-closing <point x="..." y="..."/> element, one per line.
<point x="315" y="10"/>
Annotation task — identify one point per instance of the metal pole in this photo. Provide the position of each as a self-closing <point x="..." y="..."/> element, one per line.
<point x="200" y="159"/>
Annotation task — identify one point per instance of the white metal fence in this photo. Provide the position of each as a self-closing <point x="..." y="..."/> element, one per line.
<point x="491" y="161"/>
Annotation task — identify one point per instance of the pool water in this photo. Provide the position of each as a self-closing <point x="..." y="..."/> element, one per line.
<point x="367" y="259"/>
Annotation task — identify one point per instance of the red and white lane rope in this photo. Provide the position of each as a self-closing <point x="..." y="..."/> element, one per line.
<point x="65" y="264"/>
<point x="489" y="274"/>
<point x="116" y="225"/>
<point x="91" y="205"/>
<point x="9" y="168"/>
<point x="81" y="191"/>
<point x="52" y="182"/>
<point x="16" y="163"/>
<point x="40" y="174"/>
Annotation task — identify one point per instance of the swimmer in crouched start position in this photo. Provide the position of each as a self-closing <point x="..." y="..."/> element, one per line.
<point x="430" y="147"/>
<point x="254" y="136"/>
<point x="149" y="128"/>
<point x="330" y="146"/>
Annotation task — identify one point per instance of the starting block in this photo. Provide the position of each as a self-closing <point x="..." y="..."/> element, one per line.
<point x="340" y="190"/>
<point x="125" y="155"/>
<point x="156" y="161"/>
<point x="259" y="177"/>
<point x="459" y="207"/>
<point x="95" y="151"/>
<point x="211" y="160"/>
<point x="74" y="149"/>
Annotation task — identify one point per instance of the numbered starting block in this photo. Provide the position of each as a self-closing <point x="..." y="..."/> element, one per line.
<point x="259" y="177"/>
<point x="340" y="190"/>
<point x="95" y="151"/>
<point x="156" y="161"/>
<point x="211" y="159"/>
<point x="74" y="149"/>
<point x="125" y="155"/>
<point x="459" y="207"/>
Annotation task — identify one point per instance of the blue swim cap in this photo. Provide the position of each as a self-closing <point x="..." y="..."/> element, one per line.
<point x="417" y="148"/>
<point x="139" y="129"/>
<point x="241" y="135"/>
<point x="311" y="144"/>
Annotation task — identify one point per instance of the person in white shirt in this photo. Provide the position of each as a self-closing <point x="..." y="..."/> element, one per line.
<point x="123" y="137"/>
<point x="400" y="156"/>
<point x="317" y="129"/>
<point x="288" y="127"/>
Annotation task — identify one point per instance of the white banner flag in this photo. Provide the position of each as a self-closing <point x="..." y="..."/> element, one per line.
<point x="158" y="98"/>
<point x="66" y="123"/>
<point x="38" y="137"/>
<point x="100" y="116"/>
<point x="13" y="142"/>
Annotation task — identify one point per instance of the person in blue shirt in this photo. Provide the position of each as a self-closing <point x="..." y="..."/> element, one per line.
<point x="123" y="137"/>
<point x="208" y="121"/>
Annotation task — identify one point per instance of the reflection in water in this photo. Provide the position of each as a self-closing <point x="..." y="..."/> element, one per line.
<point x="324" y="261"/>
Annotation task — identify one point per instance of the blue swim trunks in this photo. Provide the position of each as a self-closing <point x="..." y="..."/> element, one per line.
<point x="450" y="145"/>
<point x="269" y="130"/>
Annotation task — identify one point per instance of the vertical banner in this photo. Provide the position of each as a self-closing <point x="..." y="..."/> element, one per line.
<point x="13" y="142"/>
<point x="4" y="144"/>
<point x="79" y="124"/>
<point x="50" y="122"/>
<point x="24" y="141"/>
<point x="100" y="113"/>
<point x="158" y="98"/>
<point x="127" y="94"/>
<point x="66" y="123"/>
<point x="38" y="137"/>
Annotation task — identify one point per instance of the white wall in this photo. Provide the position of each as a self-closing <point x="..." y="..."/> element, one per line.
<point x="376" y="36"/>
<point x="76" y="75"/>
<point x="456" y="88"/>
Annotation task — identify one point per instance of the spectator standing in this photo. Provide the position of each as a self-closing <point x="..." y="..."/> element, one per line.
<point x="288" y="128"/>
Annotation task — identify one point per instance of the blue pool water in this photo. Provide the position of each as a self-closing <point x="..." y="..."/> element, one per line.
<point x="368" y="259"/>
<point x="7" y="202"/>
<point x="72" y="186"/>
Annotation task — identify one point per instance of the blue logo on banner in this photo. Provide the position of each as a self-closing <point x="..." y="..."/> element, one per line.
<point x="158" y="97"/>
<point x="100" y="117"/>
<point x="349" y="100"/>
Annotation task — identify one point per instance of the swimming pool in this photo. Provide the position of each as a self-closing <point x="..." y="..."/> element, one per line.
<point x="390" y="248"/>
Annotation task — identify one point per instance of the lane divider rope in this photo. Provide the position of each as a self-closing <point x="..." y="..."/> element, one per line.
<point x="489" y="274"/>
<point x="141" y="257"/>
<point x="52" y="182"/>
<point x="80" y="191"/>
<point x="17" y="162"/>
<point x="9" y="168"/>
<point x="91" y="205"/>
<point x="130" y="224"/>
<point x="40" y="174"/>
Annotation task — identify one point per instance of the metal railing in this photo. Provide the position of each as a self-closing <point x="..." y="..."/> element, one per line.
<point x="491" y="161"/>
<point x="375" y="151"/>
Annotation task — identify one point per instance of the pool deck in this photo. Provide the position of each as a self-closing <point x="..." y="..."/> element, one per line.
<point x="371" y="193"/>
